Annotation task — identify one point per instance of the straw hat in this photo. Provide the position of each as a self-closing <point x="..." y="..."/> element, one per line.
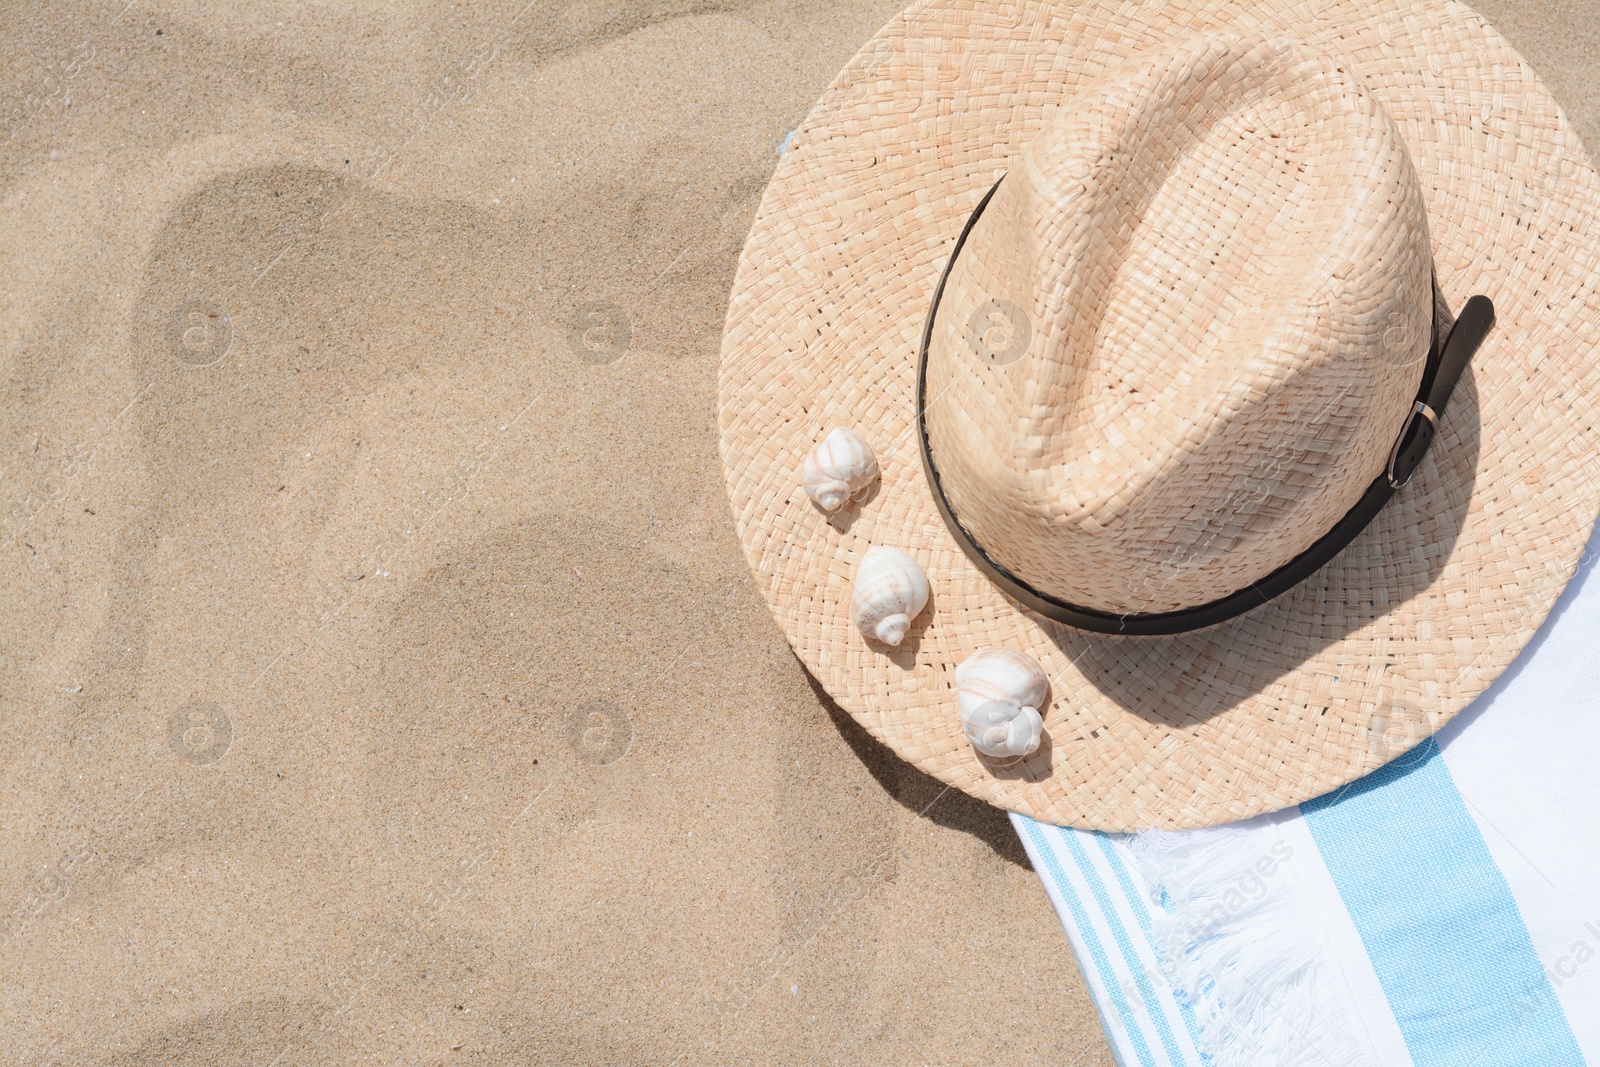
<point x="1149" y="313"/>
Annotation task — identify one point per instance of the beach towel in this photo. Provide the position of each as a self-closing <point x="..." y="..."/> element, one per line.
<point x="1443" y="911"/>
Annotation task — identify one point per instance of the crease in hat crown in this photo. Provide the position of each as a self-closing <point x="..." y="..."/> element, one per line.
<point x="1180" y="341"/>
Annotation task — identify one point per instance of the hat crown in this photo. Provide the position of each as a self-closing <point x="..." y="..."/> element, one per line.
<point x="1178" y="344"/>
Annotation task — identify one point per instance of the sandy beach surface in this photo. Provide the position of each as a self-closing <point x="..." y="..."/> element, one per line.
<point x="382" y="680"/>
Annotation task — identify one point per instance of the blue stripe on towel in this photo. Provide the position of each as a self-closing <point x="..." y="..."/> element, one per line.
<point x="1444" y="934"/>
<point x="1142" y="913"/>
<point x="1141" y="980"/>
<point x="1091" y="940"/>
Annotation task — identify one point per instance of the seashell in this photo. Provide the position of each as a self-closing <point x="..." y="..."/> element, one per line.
<point x="890" y="590"/>
<point x="839" y="468"/>
<point x="1000" y="692"/>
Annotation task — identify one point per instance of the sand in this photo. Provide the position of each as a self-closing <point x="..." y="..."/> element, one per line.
<point x="382" y="679"/>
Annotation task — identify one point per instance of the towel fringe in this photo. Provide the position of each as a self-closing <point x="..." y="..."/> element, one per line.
<point x="1230" y="932"/>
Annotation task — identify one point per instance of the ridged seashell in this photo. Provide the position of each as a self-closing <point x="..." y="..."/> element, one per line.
<point x="1000" y="692"/>
<point x="890" y="590"/>
<point x="841" y="466"/>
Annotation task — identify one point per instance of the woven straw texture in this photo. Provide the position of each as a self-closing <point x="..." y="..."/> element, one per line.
<point x="1210" y="251"/>
<point x="1353" y="667"/>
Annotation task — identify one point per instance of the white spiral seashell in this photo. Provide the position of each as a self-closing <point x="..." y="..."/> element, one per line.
<point x="1000" y="692"/>
<point x="890" y="590"/>
<point x="841" y="466"/>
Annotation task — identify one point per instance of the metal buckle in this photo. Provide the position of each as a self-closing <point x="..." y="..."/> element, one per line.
<point x="1419" y="408"/>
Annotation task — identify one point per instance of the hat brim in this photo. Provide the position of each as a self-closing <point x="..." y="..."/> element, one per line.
<point x="1355" y="666"/>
